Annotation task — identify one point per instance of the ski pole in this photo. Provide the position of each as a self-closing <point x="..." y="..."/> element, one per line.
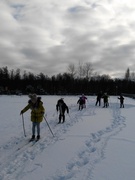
<point x="23" y="125"/>
<point x="48" y="126"/>
<point x="69" y="115"/>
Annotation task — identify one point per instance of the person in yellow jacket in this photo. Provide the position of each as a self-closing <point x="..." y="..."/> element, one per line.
<point x="37" y="113"/>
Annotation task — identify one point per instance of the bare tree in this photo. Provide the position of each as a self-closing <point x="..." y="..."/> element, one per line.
<point x="72" y="70"/>
<point x="87" y="70"/>
<point x="80" y="70"/>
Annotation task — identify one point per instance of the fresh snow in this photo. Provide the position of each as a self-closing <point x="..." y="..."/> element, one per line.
<point x="93" y="144"/>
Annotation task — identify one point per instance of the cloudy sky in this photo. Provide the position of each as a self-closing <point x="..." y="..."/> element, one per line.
<point x="48" y="35"/>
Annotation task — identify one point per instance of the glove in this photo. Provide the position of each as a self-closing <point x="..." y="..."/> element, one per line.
<point x="21" y="112"/>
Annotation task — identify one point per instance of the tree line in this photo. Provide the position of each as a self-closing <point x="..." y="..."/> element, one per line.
<point x="83" y="81"/>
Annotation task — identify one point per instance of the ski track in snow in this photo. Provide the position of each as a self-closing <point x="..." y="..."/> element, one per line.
<point x="17" y="153"/>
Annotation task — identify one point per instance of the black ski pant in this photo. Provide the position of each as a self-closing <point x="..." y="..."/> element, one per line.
<point x="61" y="116"/>
<point x="121" y="105"/>
<point x="98" y="102"/>
<point x="80" y="106"/>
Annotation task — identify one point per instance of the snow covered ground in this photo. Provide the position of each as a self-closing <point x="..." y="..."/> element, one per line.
<point x="95" y="143"/>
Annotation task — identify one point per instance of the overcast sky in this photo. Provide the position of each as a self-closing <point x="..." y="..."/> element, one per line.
<point x="48" y="35"/>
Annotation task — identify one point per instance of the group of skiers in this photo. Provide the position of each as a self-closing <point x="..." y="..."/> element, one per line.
<point x="82" y="102"/>
<point x="105" y="98"/>
<point x="38" y="110"/>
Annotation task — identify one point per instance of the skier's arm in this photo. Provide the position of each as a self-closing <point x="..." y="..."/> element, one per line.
<point x="67" y="109"/>
<point x="57" y="107"/>
<point x="25" y="109"/>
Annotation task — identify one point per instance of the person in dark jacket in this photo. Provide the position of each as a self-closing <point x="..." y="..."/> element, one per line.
<point x="121" y="98"/>
<point x="62" y="108"/>
<point x="99" y="96"/>
<point x="37" y="113"/>
<point x="105" y="99"/>
<point x="81" y="103"/>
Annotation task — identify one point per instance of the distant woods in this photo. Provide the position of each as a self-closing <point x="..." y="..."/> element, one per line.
<point x="77" y="80"/>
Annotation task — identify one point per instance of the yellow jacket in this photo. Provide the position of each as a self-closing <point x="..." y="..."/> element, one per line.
<point x="37" y="110"/>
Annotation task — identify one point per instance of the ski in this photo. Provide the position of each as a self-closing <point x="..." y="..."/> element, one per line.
<point x="34" y="141"/>
<point x="19" y="148"/>
<point x="30" y="141"/>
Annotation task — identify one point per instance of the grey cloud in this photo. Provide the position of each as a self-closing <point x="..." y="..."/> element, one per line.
<point x="47" y="36"/>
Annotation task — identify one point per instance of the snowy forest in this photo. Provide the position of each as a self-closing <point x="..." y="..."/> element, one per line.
<point x="82" y="80"/>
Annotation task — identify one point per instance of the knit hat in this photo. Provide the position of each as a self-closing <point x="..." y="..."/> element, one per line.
<point x="33" y="97"/>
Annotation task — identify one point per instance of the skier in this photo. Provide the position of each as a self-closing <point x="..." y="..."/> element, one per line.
<point x="99" y="96"/>
<point x="121" y="98"/>
<point x="84" y="98"/>
<point x="80" y="102"/>
<point x="37" y="113"/>
<point x="105" y="99"/>
<point x="61" y="107"/>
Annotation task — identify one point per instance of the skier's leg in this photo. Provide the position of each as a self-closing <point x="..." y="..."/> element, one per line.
<point x="33" y="130"/>
<point x="99" y="102"/>
<point x="59" y="118"/>
<point x="38" y="130"/>
<point x="63" y="118"/>
<point x="81" y="106"/>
